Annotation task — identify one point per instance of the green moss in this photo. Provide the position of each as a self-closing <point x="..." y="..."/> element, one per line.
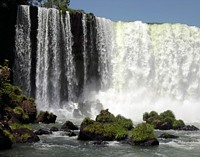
<point x="25" y="136"/>
<point x="143" y="132"/>
<point x="167" y="113"/>
<point x="164" y="121"/>
<point x="14" y="126"/>
<point x="124" y="122"/>
<point x="19" y="111"/>
<point x="177" y="124"/>
<point x="105" y="117"/>
<point x="107" y="130"/>
<point x="9" y="134"/>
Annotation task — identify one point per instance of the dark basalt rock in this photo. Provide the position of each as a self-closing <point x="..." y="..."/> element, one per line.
<point x="5" y="142"/>
<point x="68" y="126"/>
<point x="24" y="135"/>
<point x="167" y="136"/>
<point x="189" y="128"/>
<point x="43" y="132"/>
<point x="150" y="142"/>
<point x="54" y="129"/>
<point x="46" y="117"/>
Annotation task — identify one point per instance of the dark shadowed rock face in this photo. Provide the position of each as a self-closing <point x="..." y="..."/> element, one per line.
<point x="69" y="126"/>
<point x="5" y="142"/>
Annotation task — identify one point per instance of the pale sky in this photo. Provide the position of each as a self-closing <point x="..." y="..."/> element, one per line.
<point x="161" y="11"/>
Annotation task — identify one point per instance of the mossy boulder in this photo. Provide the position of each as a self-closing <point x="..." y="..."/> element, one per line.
<point x="143" y="134"/>
<point x="164" y="121"/>
<point x="46" y="117"/>
<point x="16" y="114"/>
<point x="23" y="133"/>
<point x="107" y="127"/>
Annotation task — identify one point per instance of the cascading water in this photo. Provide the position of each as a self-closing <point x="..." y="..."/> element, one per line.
<point x="55" y="74"/>
<point x="104" y="48"/>
<point x="133" y="66"/>
<point x="155" y="67"/>
<point x="22" y="66"/>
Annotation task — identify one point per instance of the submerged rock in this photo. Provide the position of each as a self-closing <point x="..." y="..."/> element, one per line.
<point x="54" y="129"/>
<point x="71" y="134"/>
<point x="189" y="128"/>
<point x="101" y="143"/>
<point x="167" y="136"/>
<point x="43" y="132"/>
<point x="68" y="126"/>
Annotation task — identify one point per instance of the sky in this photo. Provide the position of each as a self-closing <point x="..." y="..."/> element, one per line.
<point x="150" y="11"/>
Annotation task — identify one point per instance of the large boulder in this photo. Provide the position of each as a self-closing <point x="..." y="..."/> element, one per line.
<point x="143" y="135"/>
<point x="46" y="117"/>
<point x="68" y="126"/>
<point x="30" y="109"/>
<point x="23" y="133"/>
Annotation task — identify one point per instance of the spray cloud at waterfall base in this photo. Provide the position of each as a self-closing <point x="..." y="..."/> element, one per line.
<point x="130" y="67"/>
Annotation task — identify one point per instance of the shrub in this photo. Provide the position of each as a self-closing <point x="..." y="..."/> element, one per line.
<point x="143" y="132"/>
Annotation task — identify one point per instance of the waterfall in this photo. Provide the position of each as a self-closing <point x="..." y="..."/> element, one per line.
<point x="155" y="67"/>
<point x="131" y="67"/>
<point x="85" y="59"/>
<point x="22" y="64"/>
<point x="55" y="72"/>
<point x="104" y="48"/>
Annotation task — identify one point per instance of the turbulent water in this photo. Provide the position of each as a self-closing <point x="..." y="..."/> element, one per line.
<point x="58" y="144"/>
<point x="141" y="67"/>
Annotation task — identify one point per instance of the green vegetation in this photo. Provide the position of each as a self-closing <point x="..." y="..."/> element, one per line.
<point x="107" y="131"/>
<point x="19" y="111"/>
<point x="106" y="127"/>
<point x="25" y="136"/>
<point x="15" y="126"/>
<point x="164" y="121"/>
<point x="143" y="132"/>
